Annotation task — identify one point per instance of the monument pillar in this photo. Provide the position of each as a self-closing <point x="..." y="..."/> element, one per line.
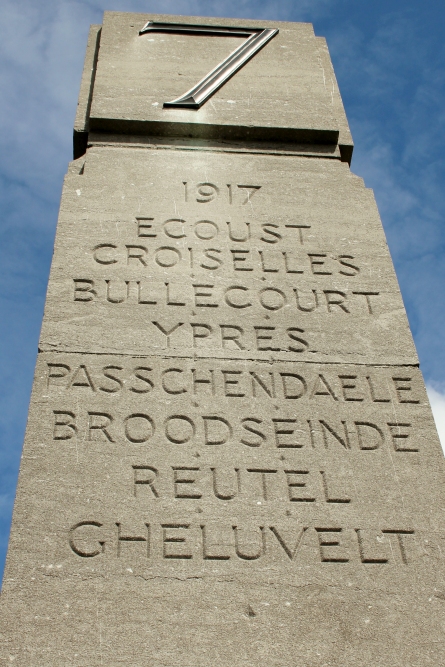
<point x="230" y="456"/>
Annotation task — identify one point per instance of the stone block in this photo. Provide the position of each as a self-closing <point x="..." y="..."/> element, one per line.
<point x="230" y="458"/>
<point x="248" y="255"/>
<point x="345" y="141"/>
<point x="82" y="120"/>
<point x="225" y="509"/>
<point x="280" y="94"/>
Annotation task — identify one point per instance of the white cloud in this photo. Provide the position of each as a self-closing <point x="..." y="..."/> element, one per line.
<point x="437" y="400"/>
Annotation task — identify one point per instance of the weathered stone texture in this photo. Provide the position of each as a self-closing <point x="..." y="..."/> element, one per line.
<point x="282" y="93"/>
<point x="251" y="256"/>
<point x="82" y="120"/>
<point x="230" y="457"/>
<point x="281" y="532"/>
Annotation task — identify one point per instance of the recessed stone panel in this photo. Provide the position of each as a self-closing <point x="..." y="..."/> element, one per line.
<point x="159" y="489"/>
<point x="216" y="254"/>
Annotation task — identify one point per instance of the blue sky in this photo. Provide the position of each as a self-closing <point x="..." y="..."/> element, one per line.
<point x="389" y="58"/>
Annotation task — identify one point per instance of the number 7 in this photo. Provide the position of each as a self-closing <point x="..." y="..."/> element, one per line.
<point x="199" y="94"/>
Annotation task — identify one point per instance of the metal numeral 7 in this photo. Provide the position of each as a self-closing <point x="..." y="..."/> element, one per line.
<point x="199" y="94"/>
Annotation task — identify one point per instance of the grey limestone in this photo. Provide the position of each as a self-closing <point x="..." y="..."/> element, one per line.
<point x="221" y="146"/>
<point x="345" y="141"/>
<point x="81" y="121"/>
<point x="282" y="93"/>
<point x="272" y="266"/>
<point x="230" y="457"/>
<point x="307" y="531"/>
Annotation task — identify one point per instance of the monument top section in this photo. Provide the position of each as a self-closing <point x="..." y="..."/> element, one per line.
<point x="212" y="79"/>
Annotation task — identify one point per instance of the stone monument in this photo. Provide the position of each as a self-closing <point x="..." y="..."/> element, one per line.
<point x="230" y="457"/>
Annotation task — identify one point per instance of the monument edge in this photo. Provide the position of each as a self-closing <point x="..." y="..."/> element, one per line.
<point x="81" y="122"/>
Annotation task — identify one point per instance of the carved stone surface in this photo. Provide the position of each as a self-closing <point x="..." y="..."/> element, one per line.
<point x="230" y="457"/>
<point x="283" y="92"/>
<point x="252" y="256"/>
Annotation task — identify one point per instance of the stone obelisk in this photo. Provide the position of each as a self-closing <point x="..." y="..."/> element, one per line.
<point x="230" y="457"/>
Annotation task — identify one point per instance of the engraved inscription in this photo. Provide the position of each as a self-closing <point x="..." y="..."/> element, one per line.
<point x="323" y="385"/>
<point x="203" y="193"/>
<point x="186" y="541"/>
<point x="238" y="296"/>
<point x="249" y="431"/>
<point x="226" y="484"/>
<point x="257" y="38"/>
